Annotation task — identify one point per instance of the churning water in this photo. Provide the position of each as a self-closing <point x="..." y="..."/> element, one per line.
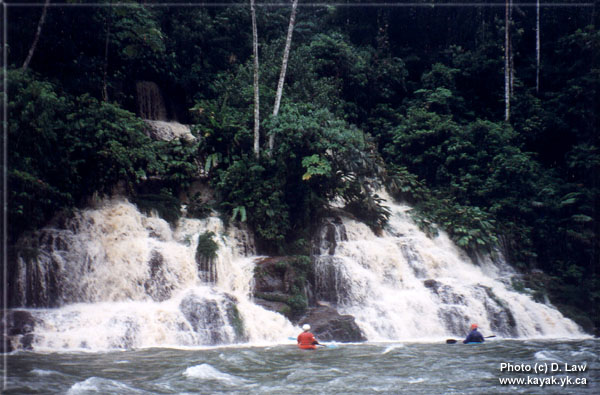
<point x="405" y="285"/>
<point x="371" y="368"/>
<point x="120" y="279"/>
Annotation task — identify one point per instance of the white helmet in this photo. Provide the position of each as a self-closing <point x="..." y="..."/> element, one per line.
<point x="305" y="327"/>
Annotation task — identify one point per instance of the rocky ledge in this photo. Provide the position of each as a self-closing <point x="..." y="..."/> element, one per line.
<point x="17" y="327"/>
<point x="285" y="285"/>
<point x="327" y="324"/>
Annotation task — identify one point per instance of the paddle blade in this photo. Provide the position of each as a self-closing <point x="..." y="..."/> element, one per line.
<point x="450" y="341"/>
<point x="331" y="345"/>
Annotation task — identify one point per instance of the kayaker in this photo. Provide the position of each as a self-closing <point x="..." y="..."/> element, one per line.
<point x="474" y="336"/>
<point x="306" y="340"/>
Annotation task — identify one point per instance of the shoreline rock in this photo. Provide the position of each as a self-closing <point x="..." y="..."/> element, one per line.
<point x="327" y="324"/>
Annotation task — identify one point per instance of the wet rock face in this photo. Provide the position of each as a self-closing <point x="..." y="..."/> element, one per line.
<point x="18" y="326"/>
<point x="209" y="317"/>
<point x="274" y="282"/>
<point x="331" y="232"/>
<point x="269" y="275"/>
<point x="332" y="280"/>
<point x="502" y="320"/>
<point x="414" y="261"/>
<point x="331" y="277"/>
<point x="151" y="104"/>
<point x="156" y="285"/>
<point x="329" y="325"/>
<point x="34" y="271"/>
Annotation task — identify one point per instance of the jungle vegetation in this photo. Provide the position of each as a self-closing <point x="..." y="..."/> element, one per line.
<point x="484" y="118"/>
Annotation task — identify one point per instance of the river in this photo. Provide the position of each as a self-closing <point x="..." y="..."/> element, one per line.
<point x="369" y="368"/>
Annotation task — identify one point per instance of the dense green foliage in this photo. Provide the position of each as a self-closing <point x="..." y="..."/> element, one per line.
<point x="65" y="148"/>
<point x="164" y="204"/>
<point x="207" y="248"/>
<point x="317" y="159"/>
<point x="411" y="97"/>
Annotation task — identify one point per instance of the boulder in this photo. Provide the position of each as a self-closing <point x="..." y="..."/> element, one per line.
<point x="19" y="322"/>
<point x="167" y="131"/>
<point x="17" y="327"/>
<point x="272" y="305"/>
<point x="208" y="315"/>
<point x="433" y="285"/>
<point x="329" y="325"/>
<point x="271" y="275"/>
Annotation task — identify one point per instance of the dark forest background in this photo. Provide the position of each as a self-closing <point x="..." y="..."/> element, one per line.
<point x="411" y="98"/>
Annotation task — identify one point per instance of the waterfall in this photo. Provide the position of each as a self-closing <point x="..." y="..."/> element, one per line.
<point x="405" y="285"/>
<point x="151" y="104"/>
<point x="112" y="277"/>
<point x="153" y="110"/>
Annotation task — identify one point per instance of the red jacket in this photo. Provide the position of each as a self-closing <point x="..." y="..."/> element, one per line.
<point x="307" y="341"/>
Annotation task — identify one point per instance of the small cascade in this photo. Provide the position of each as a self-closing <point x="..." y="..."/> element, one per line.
<point x="151" y="104"/>
<point x="153" y="110"/>
<point x="404" y="285"/>
<point x="207" y="269"/>
<point x="112" y="277"/>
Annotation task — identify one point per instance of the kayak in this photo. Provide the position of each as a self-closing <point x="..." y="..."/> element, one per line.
<point x="323" y="345"/>
<point x="452" y="341"/>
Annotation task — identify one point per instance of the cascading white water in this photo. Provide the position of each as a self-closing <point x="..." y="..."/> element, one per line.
<point x="121" y="279"/>
<point x="116" y="278"/>
<point x="405" y="285"/>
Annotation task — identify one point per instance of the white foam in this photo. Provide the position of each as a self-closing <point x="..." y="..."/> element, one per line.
<point x="43" y="372"/>
<point x="392" y="348"/>
<point x="102" y="386"/>
<point x="547" y="356"/>
<point x="382" y="280"/>
<point x="208" y="372"/>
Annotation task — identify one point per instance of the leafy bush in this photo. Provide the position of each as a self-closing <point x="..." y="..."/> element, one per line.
<point x="164" y="204"/>
<point x="207" y="248"/>
<point x="298" y="304"/>
<point x="197" y="208"/>
<point x="64" y="149"/>
<point x="248" y="184"/>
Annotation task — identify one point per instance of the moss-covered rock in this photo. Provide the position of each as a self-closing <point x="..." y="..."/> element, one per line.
<point x="281" y="284"/>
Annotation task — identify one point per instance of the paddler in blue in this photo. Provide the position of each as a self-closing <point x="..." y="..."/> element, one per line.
<point x="474" y="336"/>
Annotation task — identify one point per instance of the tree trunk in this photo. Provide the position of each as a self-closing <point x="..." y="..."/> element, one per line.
<point x="286" y="54"/>
<point x="507" y="61"/>
<point x="37" y="36"/>
<point x="256" y="90"/>
<point x="537" y="47"/>
<point x="105" y="71"/>
<point x="511" y="53"/>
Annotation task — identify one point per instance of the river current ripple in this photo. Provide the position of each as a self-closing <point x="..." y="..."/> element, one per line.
<point x="369" y="368"/>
